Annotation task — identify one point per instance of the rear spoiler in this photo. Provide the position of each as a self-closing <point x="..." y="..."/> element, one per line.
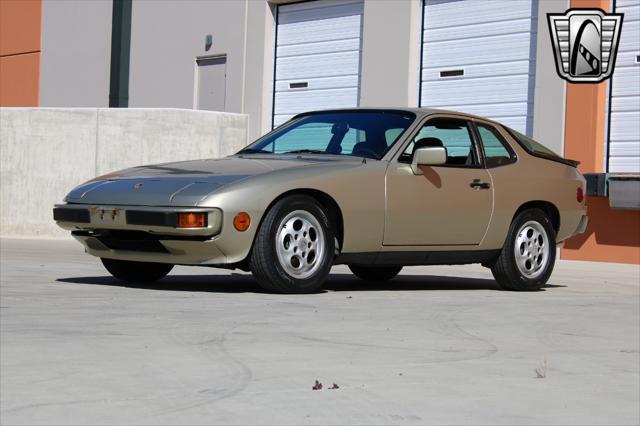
<point x="568" y="162"/>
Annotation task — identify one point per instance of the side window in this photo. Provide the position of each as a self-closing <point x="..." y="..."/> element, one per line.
<point x="495" y="151"/>
<point x="453" y="134"/>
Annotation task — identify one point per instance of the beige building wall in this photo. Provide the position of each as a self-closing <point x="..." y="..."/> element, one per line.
<point x="76" y="53"/>
<point x="391" y="53"/>
<point x="549" y="103"/>
<point x="168" y="37"/>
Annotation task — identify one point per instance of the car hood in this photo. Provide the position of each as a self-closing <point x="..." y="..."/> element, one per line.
<point x="182" y="183"/>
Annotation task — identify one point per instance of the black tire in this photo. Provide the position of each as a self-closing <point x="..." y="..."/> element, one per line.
<point x="136" y="272"/>
<point x="264" y="260"/>
<point x="375" y="273"/>
<point x="506" y="270"/>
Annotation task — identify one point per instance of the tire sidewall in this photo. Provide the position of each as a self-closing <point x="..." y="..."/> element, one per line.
<point x="282" y="209"/>
<point x="541" y="218"/>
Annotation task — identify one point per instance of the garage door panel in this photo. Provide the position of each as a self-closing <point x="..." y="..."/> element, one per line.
<point x="481" y="51"/>
<point x="334" y="46"/>
<point x="626" y="59"/>
<point x="318" y="47"/>
<point x="478" y="30"/>
<point x="451" y="13"/>
<point x="625" y="149"/>
<point x="477" y="91"/>
<point x="291" y="102"/>
<point x="625" y="103"/>
<point x="624" y="124"/>
<point x="332" y="64"/>
<point x="625" y="81"/>
<point x="492" y="110"/>
<point x="281" y="119"/>
<point x="516" y="123"/>
<point x="319" y="83"/>
<point x="630" y="9"/>
<point x="492" y="44"/>
<point x="318" y="8"/>
<point x="475" y="71"/>
<point x="626" y="128"/>
<point x="624" y="164"/>
<point x="630" y="37"/>
<point x="316" y="31"/>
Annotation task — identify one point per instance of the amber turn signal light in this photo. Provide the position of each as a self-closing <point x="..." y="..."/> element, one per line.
<point x="242" y="221"/>
<point x="192" y="220"/>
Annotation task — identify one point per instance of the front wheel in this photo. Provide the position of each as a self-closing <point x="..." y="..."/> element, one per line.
<point x="294" y="247"/>
<point x="136" y="272"/>
<point x="375" y="273"/>
<point x="528" y="255"/>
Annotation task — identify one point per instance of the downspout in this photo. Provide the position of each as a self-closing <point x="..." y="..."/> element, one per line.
<point x="120" y="49"/>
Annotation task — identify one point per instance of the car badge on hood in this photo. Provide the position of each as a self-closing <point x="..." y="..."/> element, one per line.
<point x="138" y="185"/>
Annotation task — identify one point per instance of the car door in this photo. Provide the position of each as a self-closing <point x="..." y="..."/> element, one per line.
<point x="449" y="204"/>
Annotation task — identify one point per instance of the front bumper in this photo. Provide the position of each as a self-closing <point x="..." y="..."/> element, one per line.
<point x="143" y="234"/>
<point x="154" y="220"/>
<point x="173" y="251"/>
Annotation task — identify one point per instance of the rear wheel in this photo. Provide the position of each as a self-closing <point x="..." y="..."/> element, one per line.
<point x="375" y="273"/>
<point x="141" y="272"/>
<point x="528" y="255"/>
<point x="294" y="247"/>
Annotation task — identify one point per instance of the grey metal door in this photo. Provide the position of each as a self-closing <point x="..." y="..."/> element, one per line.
<point x="212" y="83"/>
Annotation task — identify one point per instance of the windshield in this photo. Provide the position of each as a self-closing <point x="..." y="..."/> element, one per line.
<point x="359" y="133"/>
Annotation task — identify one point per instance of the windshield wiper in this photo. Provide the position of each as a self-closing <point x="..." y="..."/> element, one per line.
<point x="253" y="151"/>
<point x="306" y="151"/>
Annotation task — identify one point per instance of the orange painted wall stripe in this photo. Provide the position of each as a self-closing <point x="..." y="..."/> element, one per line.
<point x="19" y="80"/>
<point x="586" y="114"/>
<point x="612" y="235"/>
<point x="20" y="32"/>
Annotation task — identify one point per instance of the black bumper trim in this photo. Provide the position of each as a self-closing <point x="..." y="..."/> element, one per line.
<point x="60" y="214"/>
<point x="140" y="217"/>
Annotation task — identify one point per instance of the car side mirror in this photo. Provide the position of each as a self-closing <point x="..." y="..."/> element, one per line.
<point x="428" y="156"/>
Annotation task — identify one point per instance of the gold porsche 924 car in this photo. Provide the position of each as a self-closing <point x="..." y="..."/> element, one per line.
<point x="375" y="189"/>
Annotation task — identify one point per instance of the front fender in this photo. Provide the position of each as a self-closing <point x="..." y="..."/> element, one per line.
<point x="358" y="191"/>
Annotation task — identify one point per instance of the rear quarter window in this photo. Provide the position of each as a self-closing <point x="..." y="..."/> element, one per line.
<point x="495" y="148"/>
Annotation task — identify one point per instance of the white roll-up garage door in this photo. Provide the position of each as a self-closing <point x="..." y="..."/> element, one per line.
<point x="479" y="57"/>
<point x="317" y="57"/>
<point x="624" y="131"/>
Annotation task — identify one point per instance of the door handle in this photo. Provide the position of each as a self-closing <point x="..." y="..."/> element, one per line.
<point x="477" y="184"/>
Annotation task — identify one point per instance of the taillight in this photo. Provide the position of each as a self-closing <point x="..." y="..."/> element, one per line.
<point x="580" y="194"/>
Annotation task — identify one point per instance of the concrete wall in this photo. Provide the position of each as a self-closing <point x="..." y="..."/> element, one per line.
<point x="44" y="153"/>
<point x="76" y="53"/>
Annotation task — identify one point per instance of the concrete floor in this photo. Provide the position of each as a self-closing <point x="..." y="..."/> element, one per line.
<point x="437" y="345"/>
